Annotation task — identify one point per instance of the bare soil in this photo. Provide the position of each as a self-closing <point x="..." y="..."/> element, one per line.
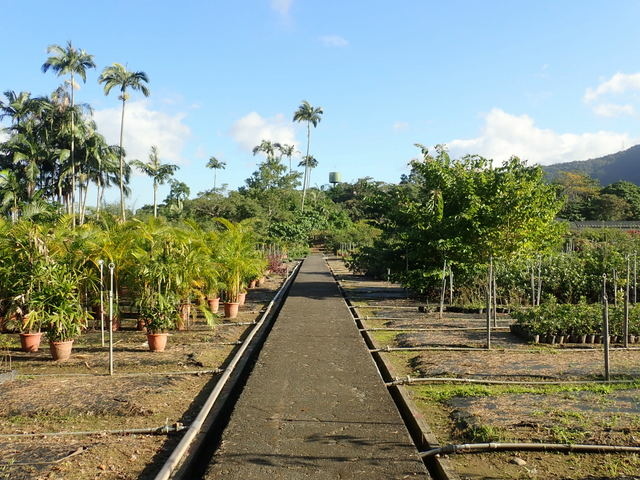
<point x="148" y="390"/>
<point x="592" y="414"/>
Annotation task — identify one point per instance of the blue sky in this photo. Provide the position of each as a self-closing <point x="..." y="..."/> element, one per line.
<point x="546" y="80"/>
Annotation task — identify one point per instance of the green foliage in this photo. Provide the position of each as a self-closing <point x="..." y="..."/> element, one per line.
<point x="575" y="319"/>
<point x="464" y="211"/>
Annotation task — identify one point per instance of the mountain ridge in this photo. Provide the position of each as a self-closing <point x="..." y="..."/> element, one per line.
<point x="622" y="165"/>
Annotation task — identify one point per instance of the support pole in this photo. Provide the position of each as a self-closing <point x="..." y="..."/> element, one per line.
<point x="605" y="326"/>
<point x="635" y="277"/>
<point x="111" y="268"/>
<point x="101" y="265"/>
<point x="444" y="287"/>
<point x="626" y="305"/>
<point x="490" y="274"/>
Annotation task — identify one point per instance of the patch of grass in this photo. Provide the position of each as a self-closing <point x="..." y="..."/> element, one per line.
<point x="563" y="434"/>
<point x="444" y="392"/>
<point x="484" y="434"/>
<point x="384" y="338"/>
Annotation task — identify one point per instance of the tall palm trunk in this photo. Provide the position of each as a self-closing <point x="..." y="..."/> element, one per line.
<point x="122" y="214"/>
<point x="215" y="174"/>
<point x="73" y="162"/>
<point x="155" y="204"/>
<point x="83" y="207"/>
<point x="306" y="167"/>
<point x="98" y="182"/>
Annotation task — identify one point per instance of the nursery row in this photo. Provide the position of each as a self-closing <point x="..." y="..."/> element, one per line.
<point x="55" y="278"/>
<point x="553" y="322"/>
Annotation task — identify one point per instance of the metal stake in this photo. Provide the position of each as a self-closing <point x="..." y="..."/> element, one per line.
<point x="101" y="265"/>
<point x="605" y="326"/>
<point x="626" y="305"/>
<point x="111" y="267"/>
<point x="489" y="303"/>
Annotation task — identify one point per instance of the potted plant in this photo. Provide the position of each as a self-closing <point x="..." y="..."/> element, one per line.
<point x="56" y="297"/>
<point x="26" y="321"/>
<point x="30" y="333"/>
<point x="160" y="315"/>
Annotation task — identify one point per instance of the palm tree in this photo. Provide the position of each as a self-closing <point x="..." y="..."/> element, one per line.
<point x="159" y="172"/>
<point x="267" y="147"/>
<point x="117" y="75"/>
<point x="309" y="163"/>
<point x="73" y="62"/>
<point x="312" y="115"/>
<point x="287" y="151"/>
<point x="17" y="106"/>
<point x="216" y="165"/>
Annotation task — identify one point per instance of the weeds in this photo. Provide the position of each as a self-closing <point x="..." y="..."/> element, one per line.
<point x="445" y="392"/>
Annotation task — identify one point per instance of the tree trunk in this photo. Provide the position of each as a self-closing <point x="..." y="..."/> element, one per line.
<point x="122" y="213"/>
<point x="73" y="162"/>
<point x="155" y="205"/>
<point x="306" y="167"/>
<point x="98" y="198"/>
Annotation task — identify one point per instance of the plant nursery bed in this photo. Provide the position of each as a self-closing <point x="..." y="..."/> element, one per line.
<point x="147" y="391"/>
<point x="590" y="413"/>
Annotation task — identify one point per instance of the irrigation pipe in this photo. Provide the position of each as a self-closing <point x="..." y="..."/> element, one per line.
<point x="409" y="380"/>
<point x="234" y="324"/>
<point x="418" y="329"/>
<point x="181" y="449"/>
<point x="164" y="429"/>
<point x="536" y="447"/>
<point x="436" y="349"/>
<point x="122" y="374"/>
<point x="391" y="307"/>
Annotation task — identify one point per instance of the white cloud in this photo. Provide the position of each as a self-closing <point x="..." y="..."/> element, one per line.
<point x="613" y="110"/>
<point x="333" y="41"/>
<point x="251" y="129"/>
<point x="504" y="135"/>
<point x="619" y="83"/>
<point x="282" y="6"/>
<point x="398" y="126"/>
<point x="144" y="127"/>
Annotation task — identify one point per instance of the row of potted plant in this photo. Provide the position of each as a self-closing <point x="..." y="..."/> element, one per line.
<point x="49" y="274"/>
<point x="553" y="322"/>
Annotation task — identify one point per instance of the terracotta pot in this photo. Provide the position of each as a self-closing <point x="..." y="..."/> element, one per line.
<point x="214" y="304"/>
<point x="30" y="342"/>
<point x="231" y="309"/>
<point x="261" y="281"/>
<point x="252" y="283"/>
<point x="61" y="351"/>
<point x="157" y="341"/>
<point x="242" y="297"/>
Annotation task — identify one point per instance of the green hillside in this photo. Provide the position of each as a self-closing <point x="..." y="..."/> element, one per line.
<point x="624" y="165"/>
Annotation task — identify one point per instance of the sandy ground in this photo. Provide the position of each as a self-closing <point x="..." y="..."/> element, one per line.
<point x="77" y="396"/>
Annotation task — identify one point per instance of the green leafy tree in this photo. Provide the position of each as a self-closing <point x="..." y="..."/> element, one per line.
<point x="630" y="192"/>
<point x="159" y="172"/>
<point x="312" y="116"/>
<point x="118" y="76"/>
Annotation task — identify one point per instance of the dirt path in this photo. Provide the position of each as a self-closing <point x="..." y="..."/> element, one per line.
<point x="314" y="405"/>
